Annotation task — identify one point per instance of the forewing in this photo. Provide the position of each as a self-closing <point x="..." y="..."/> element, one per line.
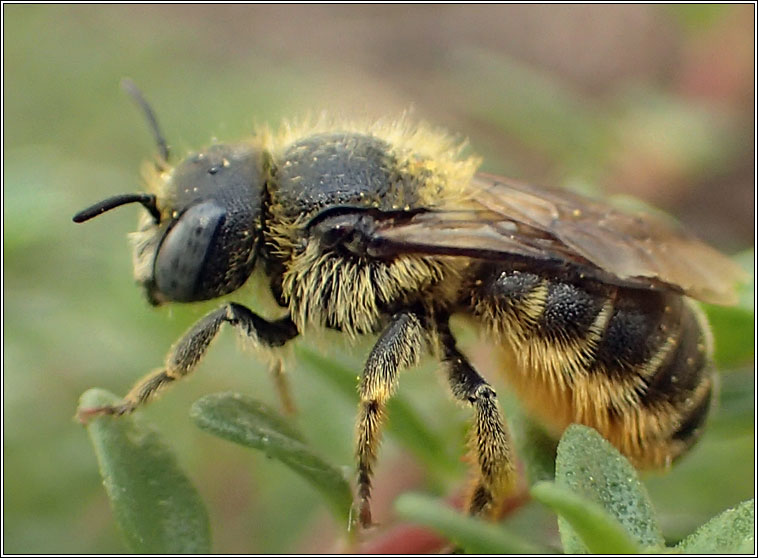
<point x="505" y="218"/>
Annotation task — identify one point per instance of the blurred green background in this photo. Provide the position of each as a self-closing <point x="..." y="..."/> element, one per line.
<point x="652" y="101"/>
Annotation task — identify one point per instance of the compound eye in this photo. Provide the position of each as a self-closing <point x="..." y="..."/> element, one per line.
<point x="185" y="250"/>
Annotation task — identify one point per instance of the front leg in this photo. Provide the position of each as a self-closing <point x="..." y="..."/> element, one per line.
<point x="398" y="347"/>
<point x="190" y="349"/>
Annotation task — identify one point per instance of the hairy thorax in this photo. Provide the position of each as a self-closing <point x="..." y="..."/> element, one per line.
<point x="355" y="295"/>
<point x="338" y="285"/>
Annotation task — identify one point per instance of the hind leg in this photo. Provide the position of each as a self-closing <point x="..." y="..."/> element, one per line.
<point x="489" y="443"/>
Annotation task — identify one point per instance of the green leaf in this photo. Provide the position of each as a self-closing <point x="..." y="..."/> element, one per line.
<point x="473" y="535"/>
<point x="154" y="503"/>
<point x="248" y="422"/>
<point x="593" y="469"/>
<point x="730" y="532"/>
<point x="404" y="422"/>
<point x="697" y="18"/>
<point x="534" y="446"/>
<point x="600" y="532"/>
<point x="734" y="326"/>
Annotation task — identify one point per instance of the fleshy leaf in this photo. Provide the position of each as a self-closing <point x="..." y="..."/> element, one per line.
<point x="534" y="446"/>
<point x="734" y="326"/>
<point x="248" y="422"/>
<point x="155" y="505"/>
<point x="730" y="532"/>
<point x="593" y="469"/>
<point x="473" y="535"/>
<point x="600" y="532"/>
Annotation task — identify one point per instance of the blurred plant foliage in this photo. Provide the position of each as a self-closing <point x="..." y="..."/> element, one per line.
<point x="601" y="505"/>
<point x="602" y="508"/>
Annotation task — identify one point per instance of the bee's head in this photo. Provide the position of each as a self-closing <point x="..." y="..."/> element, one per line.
<point x="200" y="236"/>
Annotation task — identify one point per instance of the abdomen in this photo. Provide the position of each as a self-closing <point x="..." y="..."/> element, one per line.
<point x="631" y="363"/>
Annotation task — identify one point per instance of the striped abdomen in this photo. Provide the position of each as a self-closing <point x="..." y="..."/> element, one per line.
<point x="633" y="364"/>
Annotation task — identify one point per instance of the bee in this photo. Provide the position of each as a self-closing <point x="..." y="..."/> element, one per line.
<point x="388" y="229"/>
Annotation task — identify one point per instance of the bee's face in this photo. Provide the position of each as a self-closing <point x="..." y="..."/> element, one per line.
<point x="206" y="240"/>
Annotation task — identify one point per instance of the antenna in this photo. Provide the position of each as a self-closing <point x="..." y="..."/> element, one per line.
<point x="133" y="91"/>
<point x="147" y="200"/>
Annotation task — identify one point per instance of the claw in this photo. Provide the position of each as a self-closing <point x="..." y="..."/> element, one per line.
<point x="364" y="515"/>
<point x="86" y="415"/>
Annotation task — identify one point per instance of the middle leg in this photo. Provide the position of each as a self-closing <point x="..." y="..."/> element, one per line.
<point x="398" y="347"/>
